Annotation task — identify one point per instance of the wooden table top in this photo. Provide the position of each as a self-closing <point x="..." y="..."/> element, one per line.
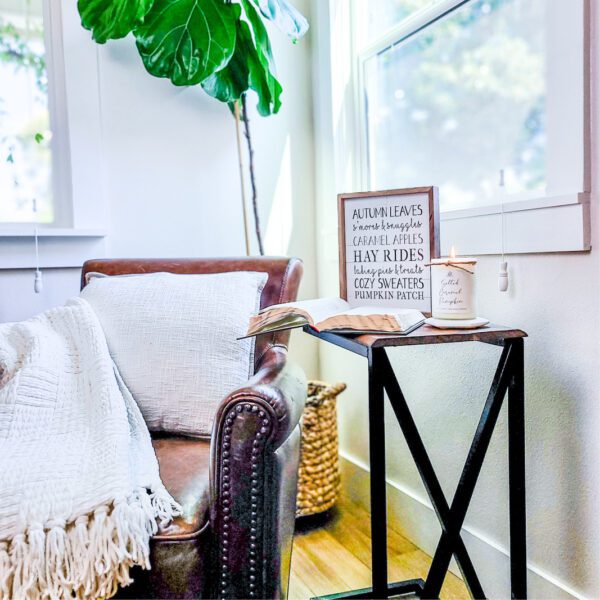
<point x="426" y="334"/>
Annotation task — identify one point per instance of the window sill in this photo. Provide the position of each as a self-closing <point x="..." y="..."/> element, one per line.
<point x="27" y="231"/>
<point x="530" y="203"/>
<point x="58" y="247"/>
<point x="544" y="225"/>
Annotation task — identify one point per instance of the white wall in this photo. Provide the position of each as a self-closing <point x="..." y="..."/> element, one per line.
<point x="18" y="300"/>
<point x="169" y="175"/>
<point x="555" y="298"/>
<point x="171" y="184"/>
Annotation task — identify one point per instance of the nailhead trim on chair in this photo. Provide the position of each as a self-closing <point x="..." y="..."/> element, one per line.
<point x="255" y="494"/>
<point x="274" y="403"/>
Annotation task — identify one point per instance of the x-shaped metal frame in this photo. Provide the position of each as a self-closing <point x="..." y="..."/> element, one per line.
<point x="508" y="377"/>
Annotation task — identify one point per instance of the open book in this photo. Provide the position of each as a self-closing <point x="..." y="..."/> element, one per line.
<point x="334" y="314"/>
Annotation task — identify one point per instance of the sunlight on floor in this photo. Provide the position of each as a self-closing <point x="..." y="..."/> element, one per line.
<point x="332" y="554"/>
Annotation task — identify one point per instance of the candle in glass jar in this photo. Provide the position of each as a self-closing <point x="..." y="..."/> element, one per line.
<point x="453" y="287"/>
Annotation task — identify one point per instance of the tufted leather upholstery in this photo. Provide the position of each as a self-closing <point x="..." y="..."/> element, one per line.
<point x="238" y="489"/>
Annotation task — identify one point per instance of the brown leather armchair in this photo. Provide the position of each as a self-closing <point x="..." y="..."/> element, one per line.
<point x="238" y="489"/>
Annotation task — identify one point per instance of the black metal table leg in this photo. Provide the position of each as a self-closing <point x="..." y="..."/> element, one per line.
<point x="377" y="463"/>
<point x="508" y="378"/>
<point x="430" y="480"/>
<point x="516" y="469"/>
<point x="401" y="588"/>
<point x="470" y="473"/>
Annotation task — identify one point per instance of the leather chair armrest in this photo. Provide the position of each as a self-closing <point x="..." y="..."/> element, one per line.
<point x="281" y="384"/>
<point x="254" y="465"/>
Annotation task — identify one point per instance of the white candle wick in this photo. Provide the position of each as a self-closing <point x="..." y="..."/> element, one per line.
<point x="452" y="252"/>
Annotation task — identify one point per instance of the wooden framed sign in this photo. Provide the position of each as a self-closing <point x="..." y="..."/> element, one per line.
<point x="386" y="239"/>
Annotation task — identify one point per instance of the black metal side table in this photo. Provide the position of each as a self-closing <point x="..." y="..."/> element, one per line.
<point x="508" y="377"/>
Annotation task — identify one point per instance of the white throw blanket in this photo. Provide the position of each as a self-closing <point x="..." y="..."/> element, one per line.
<point x="80" y="491"/>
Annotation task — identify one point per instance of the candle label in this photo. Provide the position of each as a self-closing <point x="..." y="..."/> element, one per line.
<point x="387" y="245"/>
<point x="453" y="292"/>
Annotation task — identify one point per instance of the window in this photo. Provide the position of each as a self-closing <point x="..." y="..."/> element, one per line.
<point x="50" y="148"/>
<point x="486" y="99"/>
<point x="24" y="118"/>
<point x="30" y="191"/>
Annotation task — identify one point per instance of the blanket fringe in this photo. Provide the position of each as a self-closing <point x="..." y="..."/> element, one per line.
<point x="88" y="558"/>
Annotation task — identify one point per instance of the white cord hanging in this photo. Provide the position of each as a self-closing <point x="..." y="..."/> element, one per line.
<point x="38" y="283"/>
<point x="503" y="273"/>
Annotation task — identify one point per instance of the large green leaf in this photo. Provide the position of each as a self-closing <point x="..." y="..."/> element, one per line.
<point x="250" y="67"/>
<point x="112" y="19"/>
<point x="262" y="66"/>
<point x="287" y="18"/>
<point x="228" y="84"/>
<point x="187" y="40"/>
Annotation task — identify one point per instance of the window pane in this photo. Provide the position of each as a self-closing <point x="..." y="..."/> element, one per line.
<point x="25" y="161"/>
<point x="372" y="21"/>
<point x="461" y="102"/>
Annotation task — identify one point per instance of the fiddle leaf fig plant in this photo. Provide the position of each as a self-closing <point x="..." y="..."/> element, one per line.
<point x="285" y="17"/>
<point x="251" y="66"/>
<point x="222" y="45"/>
<point x="112" y="20"/>
<point x="188" y="40"/>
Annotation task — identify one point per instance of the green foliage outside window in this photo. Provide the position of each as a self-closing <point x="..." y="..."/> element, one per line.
<point x="24" y="151"/>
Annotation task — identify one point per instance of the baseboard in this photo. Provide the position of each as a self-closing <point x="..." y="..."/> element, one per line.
<point x="414" y="518"/>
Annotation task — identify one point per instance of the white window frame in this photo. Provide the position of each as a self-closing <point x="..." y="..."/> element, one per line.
<point x="57" y="108"/>
<point x="77" y="167"/>
<point x="528" y="224"/>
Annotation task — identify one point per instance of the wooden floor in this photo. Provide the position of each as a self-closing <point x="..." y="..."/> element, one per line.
<point x="332" y="554"/>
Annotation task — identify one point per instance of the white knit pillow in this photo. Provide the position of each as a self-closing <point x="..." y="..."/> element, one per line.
<point x="173" y="338"/>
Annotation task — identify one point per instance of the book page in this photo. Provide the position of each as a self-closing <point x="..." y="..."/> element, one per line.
<point x="318" y="309"/>
<point x="374" y="318"/>
<point x="278" y="324"/>
<point x="406" y="317"/>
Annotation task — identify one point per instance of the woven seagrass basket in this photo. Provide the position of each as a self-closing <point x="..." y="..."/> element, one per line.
<point x="319" y="472"/>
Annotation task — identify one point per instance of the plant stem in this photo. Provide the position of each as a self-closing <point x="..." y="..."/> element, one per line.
<point x="252" y="175"/>
<point x="236" y="110"/>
